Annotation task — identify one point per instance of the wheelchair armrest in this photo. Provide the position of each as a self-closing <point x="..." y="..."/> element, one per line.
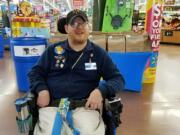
<point x="33" y="109"/>
<point x="30" y="95"/>
<point x="31" y="100"/>
<point x="113" y="108"/>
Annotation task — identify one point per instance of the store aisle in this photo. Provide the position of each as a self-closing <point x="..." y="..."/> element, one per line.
<point x="155" y="111"/>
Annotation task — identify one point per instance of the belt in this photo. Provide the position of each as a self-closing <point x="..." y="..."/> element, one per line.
<point x="73" y="103"/>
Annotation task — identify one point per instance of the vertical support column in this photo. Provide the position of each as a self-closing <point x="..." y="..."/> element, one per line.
<point x="44" y="5"/>
<point x="8" y="3"/>
<point x="53" y="3"/>
<point x="98" y="12"/>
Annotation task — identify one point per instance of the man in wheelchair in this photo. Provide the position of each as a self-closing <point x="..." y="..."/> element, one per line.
<point x="69" y="72"/>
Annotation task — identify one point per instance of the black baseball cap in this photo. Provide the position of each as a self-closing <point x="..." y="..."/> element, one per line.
<point x="69" y="19"/>
<point x="76" y="13"/>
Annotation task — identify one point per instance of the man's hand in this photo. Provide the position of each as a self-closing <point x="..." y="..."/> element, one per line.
<point x="43" y="98"/>
<point x="95" y="100"/>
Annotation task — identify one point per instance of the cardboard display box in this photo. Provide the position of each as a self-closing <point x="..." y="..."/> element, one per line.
<point x="116" y="43"/>
<point x="99" y="39"/>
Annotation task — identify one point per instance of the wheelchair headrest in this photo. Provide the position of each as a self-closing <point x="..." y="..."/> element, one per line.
<point x="61" y="25"/>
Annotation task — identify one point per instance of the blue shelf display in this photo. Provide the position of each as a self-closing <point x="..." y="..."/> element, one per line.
<point x="6" y="36"/>
<point x="13" y="7"/>
<point x="1" y="38"/>
<point x="131" y="66"/>
<point x="4" y="40"/>
<point x="1" y="47"/>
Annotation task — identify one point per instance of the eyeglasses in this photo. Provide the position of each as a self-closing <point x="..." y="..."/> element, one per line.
<point x="76" y="25"/>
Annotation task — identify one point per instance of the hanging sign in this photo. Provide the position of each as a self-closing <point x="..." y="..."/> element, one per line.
<point x="78" y="3"/>
<point x="38" y="8"/>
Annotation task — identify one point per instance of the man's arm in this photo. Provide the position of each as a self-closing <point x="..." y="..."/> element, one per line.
<point x="113" y="81"/>
<point x="38" y="77"/>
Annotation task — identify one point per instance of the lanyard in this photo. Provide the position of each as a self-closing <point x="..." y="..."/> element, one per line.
<point x="75" y="63"/>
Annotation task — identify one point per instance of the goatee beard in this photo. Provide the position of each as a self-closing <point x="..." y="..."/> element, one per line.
<point x="79" y="41"/>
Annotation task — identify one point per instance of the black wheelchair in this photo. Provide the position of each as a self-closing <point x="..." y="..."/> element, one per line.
<point x="112" y="108"/>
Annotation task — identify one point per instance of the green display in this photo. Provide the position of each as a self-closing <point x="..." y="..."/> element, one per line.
<point x="118" y="15"/>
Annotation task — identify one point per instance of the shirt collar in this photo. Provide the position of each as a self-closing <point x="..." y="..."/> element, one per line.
<point x="87" y="48"/>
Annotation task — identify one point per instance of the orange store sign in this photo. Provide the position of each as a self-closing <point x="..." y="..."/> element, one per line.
<point x="78" y="3"/>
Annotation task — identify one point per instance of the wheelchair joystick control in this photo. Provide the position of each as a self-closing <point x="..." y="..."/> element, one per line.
<point x="23" y="118"/>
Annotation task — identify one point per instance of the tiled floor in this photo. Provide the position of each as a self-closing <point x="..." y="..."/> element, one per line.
<point x="154" y="111"/>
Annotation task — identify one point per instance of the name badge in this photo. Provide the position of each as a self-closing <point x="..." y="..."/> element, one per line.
<point x="90" y="66"/>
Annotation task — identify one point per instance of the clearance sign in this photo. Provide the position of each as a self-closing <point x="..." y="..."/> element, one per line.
<point x="78" y="3"/>
<point x="154" y="9"/>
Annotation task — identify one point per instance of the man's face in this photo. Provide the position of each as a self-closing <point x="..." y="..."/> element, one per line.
<point x="78" y="30"/>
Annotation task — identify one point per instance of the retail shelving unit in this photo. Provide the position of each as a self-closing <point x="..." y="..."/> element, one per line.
<point x="142" y="14"/>
<point x="19" y="22"/>
<point x="170" y="31"/>
<point x="141" y="20"/>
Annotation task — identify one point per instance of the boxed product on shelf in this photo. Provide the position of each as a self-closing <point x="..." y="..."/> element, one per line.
<point x="116" y="43"/>
<point x="137" y="42"/>
<point x="34" y="32"/>
<point x="99" y="39"/>
<point x="19" y="22"/>
<point x="45" y="23"/>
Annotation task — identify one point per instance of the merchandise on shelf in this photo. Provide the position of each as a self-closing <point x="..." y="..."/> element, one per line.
<point x="28" y="20"/>
<point x="171" y="22"/>
<point x="140" y="15"/>
<point x="169" y="2"/>
<point x="141" y="20"/>
<point x="34" y="32"/>
<point x="26" y="8"/>
<point x="51" y="19"/>
<point x="19" y="22"/>
<point x="45" y="23"/>
<point x="170" y="32"/>
<point x="171" y="17"/>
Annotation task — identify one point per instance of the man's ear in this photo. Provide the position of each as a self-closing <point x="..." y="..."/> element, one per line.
<point x="66" y="28"/>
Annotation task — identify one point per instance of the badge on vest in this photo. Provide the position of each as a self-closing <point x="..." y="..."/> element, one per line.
<point x="90" y="66"/>
<point x="59" y="50"/>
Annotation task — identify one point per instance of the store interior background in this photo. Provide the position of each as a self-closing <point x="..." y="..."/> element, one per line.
<point x="154" y="110"/>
